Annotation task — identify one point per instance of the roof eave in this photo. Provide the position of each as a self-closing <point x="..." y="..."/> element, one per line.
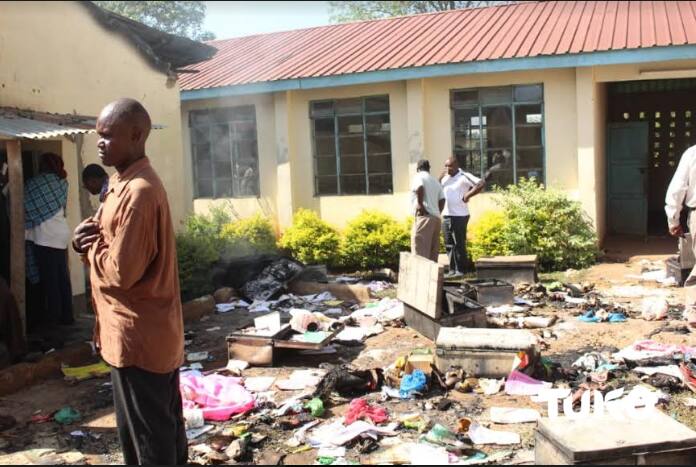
<point x="603" y="58"/>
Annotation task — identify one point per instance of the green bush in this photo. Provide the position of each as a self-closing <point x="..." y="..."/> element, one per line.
<point x="198" y="247"/>
<point x="310" y="239"/>
<point x="374" y="239"/>
<point x="547" y="223"/>
<point x="487" y="236"/>
<point x="248" y="236"/>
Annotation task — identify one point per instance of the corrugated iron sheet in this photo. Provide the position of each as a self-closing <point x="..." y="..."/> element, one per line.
<point x="17" y="123"/>
<point x="520" y="30"/>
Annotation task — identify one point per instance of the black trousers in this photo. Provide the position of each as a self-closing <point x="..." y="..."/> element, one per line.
<point x="55" y="282"/>
<point x="150" y="417"/>
<point x="454" y="230"/>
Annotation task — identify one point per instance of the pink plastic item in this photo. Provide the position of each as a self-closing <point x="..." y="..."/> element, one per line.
<point x="519" y="384"/>
<point x="360" y="409"/>
<point x="219" y="397"/>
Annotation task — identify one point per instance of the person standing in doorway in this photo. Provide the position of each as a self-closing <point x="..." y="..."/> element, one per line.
<point x="48" y="234"/>
<point x="428" y="201"/>
<point x="95" y="180"/>
<point x="130" y="249"/>
<point x="681" y="194"/>
<point x="459" y="187"/>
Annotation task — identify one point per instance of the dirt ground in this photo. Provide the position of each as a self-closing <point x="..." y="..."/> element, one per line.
<point x="96" y="441"/>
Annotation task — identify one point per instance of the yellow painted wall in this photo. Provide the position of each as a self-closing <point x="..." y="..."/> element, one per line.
<point x="55" y="57"/>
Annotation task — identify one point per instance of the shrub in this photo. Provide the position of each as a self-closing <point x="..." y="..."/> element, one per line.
<point x="547" y="223"/>
<point x="248" y="236"/>
<point x="487" y="236"/>
<point x="374" y="239"/>
<point x="310" y="239"/>
<point x="198" y="247"/>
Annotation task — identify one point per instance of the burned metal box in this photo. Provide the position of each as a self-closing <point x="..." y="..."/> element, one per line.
<point x="260" y="350"/>
<point x="483" y="352"/>
<point x="676" y="270"/>
<point x="469" y="314"/>
<point x="606" y="439"/>
<point x="512" y="269"/>
<point x="489" y="292"/>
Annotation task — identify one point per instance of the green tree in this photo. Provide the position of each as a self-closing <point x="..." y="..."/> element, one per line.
<point x="344" y="11"/>
<point x="183" y="18"/>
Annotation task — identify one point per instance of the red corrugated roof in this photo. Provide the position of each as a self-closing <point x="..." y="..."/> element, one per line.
<point x="529" y="29"/>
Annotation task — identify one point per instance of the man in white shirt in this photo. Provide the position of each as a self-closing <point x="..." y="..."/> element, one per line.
<point x="681" y="195"/>
<point x="459" y="187"/>
<point x="428" y="200"/>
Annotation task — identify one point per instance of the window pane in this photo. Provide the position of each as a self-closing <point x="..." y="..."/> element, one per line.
<point x="325" y="146"/>
<point x="223" y="188"/>
<point x="234" y="114"/>
<point x="199" y="135"/>
<point x="530" y="93"/>
<point x="351" y="165"/>
<point x="246" y="130"/>
<point x="324" y="127"/>
<point x="377" y="123"/>
<point x="380" y="184"/>
<point x="323" y="108"/>
<point x="528" y="136"/>
<point x="470" y="161"/>
<point x="204" y="169"/>
<point x="353" y="185"/>
<point x="350" y="125"/>
<point x="349" y="106"/>
<point x="326" y="166"/>
<point x="205" y="187"/>
<point x="223" y="169"/>
<point x="467" y="131"/>
<point x="528" y="115"/>
<point x="530" y="159"/>
<point x="500" y="163"/>
<point x="327" y="185"/>
<point x="377" y="104"/>
<point x="468" y="97"/>
<point x="378" y="144"/>
<point x="379" y="164"/>
<point x="351" y="145"/>
<point x="499" y="116"/>
<point x="201" y="117"/>
<point x="201" y="152"/>
<point x="495" y="95"/>
<point x="248" y="180"/>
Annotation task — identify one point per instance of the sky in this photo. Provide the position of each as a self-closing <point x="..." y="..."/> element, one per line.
<point x="235" y="19"/>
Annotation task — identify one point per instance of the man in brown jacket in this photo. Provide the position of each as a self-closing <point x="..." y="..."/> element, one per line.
<point x="129" y="246"/>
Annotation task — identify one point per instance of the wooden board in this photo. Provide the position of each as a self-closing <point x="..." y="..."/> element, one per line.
<point x="17" y="259"/>
<point x="508" y="260"/>
<point x="420" y="284"/>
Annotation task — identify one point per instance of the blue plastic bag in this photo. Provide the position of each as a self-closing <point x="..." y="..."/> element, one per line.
<point x="410" y="384"/>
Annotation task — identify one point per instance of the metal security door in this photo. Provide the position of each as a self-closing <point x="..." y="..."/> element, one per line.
<point x="627" y="172"/>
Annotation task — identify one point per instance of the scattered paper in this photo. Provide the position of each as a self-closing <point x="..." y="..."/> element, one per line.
<point x="259" y="307"/>
<point x="335" y="434"/>
<point x="259" y="383"/>
<point x="669" y="370"/>
<point x="237" y="366"/>
<point x="482" y="435"/>
<point x="227" y="307"/>
<point x="510" y="415"/>
<point x="504" y="309"/>
<point x="491" y="386"/>
<point x="300" y="436"/>
<point x="268" y="324"/>
<point x="213" y="329"/>
<point x="196" y="432"/>
<point x="690" y="402"/>
<point x="332" y="452"/>
<point x="358" y="334"/>
<point x="197" y="356"/>
<point x="301" y="379"/>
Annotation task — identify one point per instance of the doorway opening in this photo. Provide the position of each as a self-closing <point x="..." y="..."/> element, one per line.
<point x="649" y="126"/>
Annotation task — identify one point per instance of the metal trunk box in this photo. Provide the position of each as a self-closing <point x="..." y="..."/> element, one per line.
<point x="676" y="270"/>
<point x="483" y="352"/>
<point x="607" y="440"/>
<point x="471" y="315"/>
<point x="512" y="269"/>
<point x="490" y="292"/>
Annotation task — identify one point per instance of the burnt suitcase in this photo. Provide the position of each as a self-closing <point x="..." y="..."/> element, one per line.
<point x="262" y="350"/>
<point x="512" y="269"/>
<point x="468" y="314"/>
<point x="607" y="440"/>
<point x="483" y="352"/>
<point x="489" y="292"/>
